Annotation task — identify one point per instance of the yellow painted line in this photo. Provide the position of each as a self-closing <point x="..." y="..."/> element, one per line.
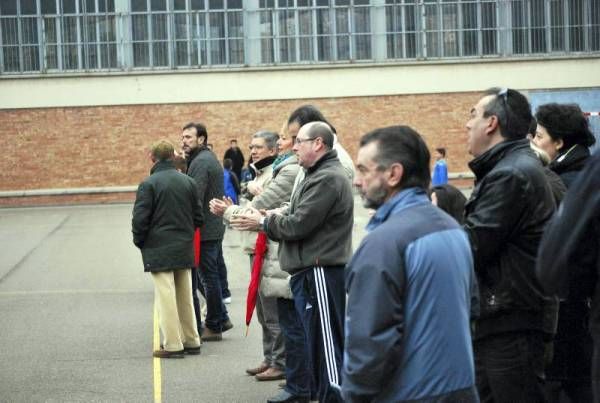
<point x="156" y="346"/>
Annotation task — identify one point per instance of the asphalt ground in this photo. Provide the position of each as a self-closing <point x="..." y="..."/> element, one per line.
<point x="78" y="322"/>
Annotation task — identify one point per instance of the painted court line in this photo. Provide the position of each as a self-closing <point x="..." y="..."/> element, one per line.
<point x="157" y="375"/>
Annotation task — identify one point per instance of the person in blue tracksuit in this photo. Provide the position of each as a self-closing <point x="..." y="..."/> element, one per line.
<point x="410" y="284"/>
<point x="440" y="169"/>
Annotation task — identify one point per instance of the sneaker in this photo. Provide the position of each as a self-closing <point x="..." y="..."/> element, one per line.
<point x="227" y="300"/>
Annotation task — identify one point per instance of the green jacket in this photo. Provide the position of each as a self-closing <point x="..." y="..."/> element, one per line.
<point x="165" y="215"/>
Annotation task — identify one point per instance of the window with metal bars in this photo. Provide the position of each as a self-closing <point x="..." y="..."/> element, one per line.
<point x="39" y="36"/>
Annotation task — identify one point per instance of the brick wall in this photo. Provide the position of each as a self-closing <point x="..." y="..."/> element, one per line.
<point x="106" y="146"/>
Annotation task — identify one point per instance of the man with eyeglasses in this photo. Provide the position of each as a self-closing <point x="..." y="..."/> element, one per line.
<point x="315" y="243"/>
<point x="505" y="219"/>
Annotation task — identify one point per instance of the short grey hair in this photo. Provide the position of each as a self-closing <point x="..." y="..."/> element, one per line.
<point x="270" y="138"/>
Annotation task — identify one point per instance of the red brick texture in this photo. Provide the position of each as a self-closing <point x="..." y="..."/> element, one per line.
<point x="106" y="146"/>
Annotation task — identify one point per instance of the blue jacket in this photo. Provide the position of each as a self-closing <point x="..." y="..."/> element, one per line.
<point x="409" y="285"/>
<point x="229" y="185"/>
<point x="440" y="173"/>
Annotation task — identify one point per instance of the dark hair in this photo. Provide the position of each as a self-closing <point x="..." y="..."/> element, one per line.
<point x="512" y="110"/>
<point x="322" y="130"/>
<point x="441" y="150"/>
<point x="200" y="130"/>
<point x="402" y="144"/>
<point x="565" y="122"/>
<point x="532" y="127"/>
<point x="306" y="114"/>
<point x="451" y="200"/>
<point x="227" y="163"/>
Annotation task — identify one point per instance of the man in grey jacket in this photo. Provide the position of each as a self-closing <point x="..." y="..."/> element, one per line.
<point x="315" y="236"/>
<point x="205" y="169"/>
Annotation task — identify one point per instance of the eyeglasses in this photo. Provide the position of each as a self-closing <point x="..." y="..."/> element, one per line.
<point x="300" y="141"/>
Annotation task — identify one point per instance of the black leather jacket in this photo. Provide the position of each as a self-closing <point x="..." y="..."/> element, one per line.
<point x="505" y="219"/>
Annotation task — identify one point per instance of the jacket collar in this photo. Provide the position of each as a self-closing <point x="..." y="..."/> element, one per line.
<point x="265" y="162"/>
<point x="162" y="166"/>
<point x="488" y="160"/>
<point x="195" y="152"/>
<point x="326" y="158"/>
<point x="571" y="160"/>
<point x="402" y="200"/>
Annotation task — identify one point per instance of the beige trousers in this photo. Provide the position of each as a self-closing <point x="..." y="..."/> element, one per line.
<point x="173" y="295"/>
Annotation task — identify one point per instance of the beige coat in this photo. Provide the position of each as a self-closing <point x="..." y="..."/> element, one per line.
<point x="276" y="190"/>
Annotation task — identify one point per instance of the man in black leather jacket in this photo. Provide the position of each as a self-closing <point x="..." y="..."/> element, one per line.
<point x="505" y="219"/>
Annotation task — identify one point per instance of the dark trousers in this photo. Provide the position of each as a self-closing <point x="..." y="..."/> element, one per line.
<point x="297" y="375"/>
<point x="225" y="293"/>
<point x="509" y="367"/>
<point x="208" y="273"/>
<point x="596" y="372"/>
<point x="196" y="286"/>
<point x="321" y="302"/>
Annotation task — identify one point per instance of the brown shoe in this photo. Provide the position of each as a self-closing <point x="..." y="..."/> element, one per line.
<point x="168" y="354"/>
<point x="261" y="368"/>
<point x="209" y="335"/>
<point x="271" y="374"/>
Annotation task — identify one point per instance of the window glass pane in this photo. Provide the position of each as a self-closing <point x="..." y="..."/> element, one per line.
<point x="141" y="55"/>
<point x="69" y="6"/>
<point x="49" y="7"/>
<point x="234" y="4"/>
<point x="8" y="7"/>
<point x="90" y="6"/>
<point x="576" y="25"/>
<point x="215" y="4"/>
<point x="160" y="54"/>
<point x="197" y="4"/>
<point x="139" y="5"/>
<point x="28" y="7"/>
<point x="159" y="26"/>
<point x="179" y="5"/>
<point x="159" y="5"/>
<point x="139" y="27"/>
<point x="106" y="6"/>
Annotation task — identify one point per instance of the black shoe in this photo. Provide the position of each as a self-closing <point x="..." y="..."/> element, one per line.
<point x="285" y="397"/>
<point x="192" y="350"/>
<point x="227" y="325"/>
<point x="168" y="354"/>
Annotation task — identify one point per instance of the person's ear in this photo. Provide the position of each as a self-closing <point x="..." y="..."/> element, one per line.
<point x="396" y="172"/>
<point x="559" y="144"/>
<point x="493" y="124"/>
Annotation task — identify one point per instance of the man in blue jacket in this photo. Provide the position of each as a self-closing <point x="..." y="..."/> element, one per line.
<point x="409" y="284"/>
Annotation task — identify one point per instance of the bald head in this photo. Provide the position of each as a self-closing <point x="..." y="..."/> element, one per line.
<point x="315" y="130"/>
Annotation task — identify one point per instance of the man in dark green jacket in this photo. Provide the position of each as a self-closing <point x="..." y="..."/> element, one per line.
<point x="165" y="215"/>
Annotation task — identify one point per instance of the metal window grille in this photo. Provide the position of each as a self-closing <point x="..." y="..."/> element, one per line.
<point x="38" y="36"/>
